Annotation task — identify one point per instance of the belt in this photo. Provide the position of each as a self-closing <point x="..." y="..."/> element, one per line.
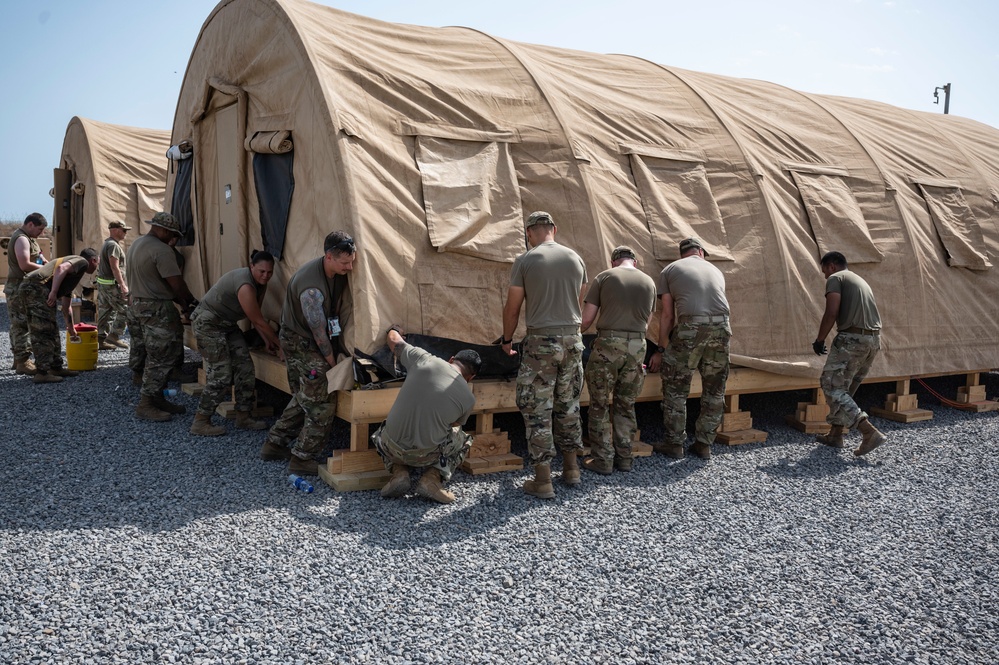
<point x="626" y="334"/>
<point x="716" y="318"/>
<point x="554" y="330"/>
<point x="854" y="330"/>
<point x="106" y="282"/>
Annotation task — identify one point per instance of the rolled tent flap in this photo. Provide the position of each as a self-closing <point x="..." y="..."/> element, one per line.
<point x="271" y="143"/>
<point x="79" y="188"/>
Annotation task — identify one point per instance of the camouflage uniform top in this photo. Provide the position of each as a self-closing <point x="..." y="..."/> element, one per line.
<point x="433" y="397"/>
<point x="222" y="299"/>
<point x="14" y="271"/>
<point x="111" y="248"/>
<point x="697" y="287"/>
<point x="312" y="276"/>
<point x="856" y="307"/>
<point x="626" y="297"/>
<point x="44" y="274"/>
<point x="551" y="276"/>
<point x="152" y="261"/>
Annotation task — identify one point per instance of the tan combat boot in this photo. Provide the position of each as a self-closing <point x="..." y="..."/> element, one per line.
<point x="624" y="463"/>
<point x="399" y="484"/>
<point x="25" y="367"/>
<point x="45" y="377"/>
<point x="242" y="420"/>
<point x="872" y="437"/>
<point x="570" y="469"/>
<point x="541" y="486"/>
<point x="431" y="487"/>
<point x="700" y="449"/>
<point x="163" y="404"/>
<point x="113" y="340"/>
<point x="832" y="438"/>
<point x="674" y="452"/>
<point x="303" y="467"/>
<point x="202" y="426"/>
<point x="272" y="452"/>
<point x="62" y="371"/>
<point x="105" y="345"/>
<point x="603" y="467"/>
<point x="147" y="410"/>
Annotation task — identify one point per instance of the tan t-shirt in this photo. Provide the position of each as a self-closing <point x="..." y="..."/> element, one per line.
<point x="433" y="396"/>
<point x="856" y="306"/>
<point x="222" y="299"/>
<point x="14" y="271"/>
<point x="551" y="276"/>
<point x="151" y="261"/>
<point x="111" y="248"/>
<point x="626" y="297"/>
<point x="44" y="274"/>
<point x="313" y="276"/>
<point x="697" y="287"/>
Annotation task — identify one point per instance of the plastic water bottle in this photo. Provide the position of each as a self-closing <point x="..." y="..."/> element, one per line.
<point x="300" y="483"/>
<point x="169" y="392"/>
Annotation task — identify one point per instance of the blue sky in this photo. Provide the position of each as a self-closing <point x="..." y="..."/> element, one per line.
<point x="123" y="61"/>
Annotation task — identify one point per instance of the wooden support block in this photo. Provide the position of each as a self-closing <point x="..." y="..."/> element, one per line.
<point x="969" y="394"/>
<point x="815" y="412"/>
<point x="896" y="402"/>
<point x="909" y="416"/>
<point x="983" y="406"/>
<point x="477" y="466"/>
<point x="355" y="482"/>
<point x="227" y="409"/>
<point x="737" y="437"/>
<point x="194" y="389"/>
<point x="484" y="423"/>
<point x="810" y="417"/>
<point x="806" y="426"/>
<point x="354" y="461"/>
<point x="493" y="443"/>
<point x="360" y="436"/>
<point x="740" y="420"/>
<point x="639" y="449"/>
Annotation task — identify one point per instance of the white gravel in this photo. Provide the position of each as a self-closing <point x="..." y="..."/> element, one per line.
<point x="123" y="541"/>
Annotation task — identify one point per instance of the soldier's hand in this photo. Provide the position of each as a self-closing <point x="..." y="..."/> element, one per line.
<point x="820" y="347"/>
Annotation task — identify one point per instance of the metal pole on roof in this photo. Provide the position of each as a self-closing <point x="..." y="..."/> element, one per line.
<point x="936" y="97"/>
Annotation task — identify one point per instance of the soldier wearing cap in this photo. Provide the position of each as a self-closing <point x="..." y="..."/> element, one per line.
<point x="155" y="282"/>
<point x="694" y="333"/>
<point x="850" y="305"/>
<point x="625" y="297"/>
<point x="112" y="289"/>
<point x="549" y="277"/>
<point x="23" y="257"/>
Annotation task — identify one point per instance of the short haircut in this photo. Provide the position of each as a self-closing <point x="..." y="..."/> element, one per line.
<point x="37" y="218"/>
<point x="470" y="360"/>
<point x="834" y="258"/>
<point x="89" y="253"/>
<point x="258" y="255"/>
<point x="339" y="242"/>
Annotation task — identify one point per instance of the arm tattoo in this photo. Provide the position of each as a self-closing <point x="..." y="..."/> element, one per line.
<point x="312" y="308"/>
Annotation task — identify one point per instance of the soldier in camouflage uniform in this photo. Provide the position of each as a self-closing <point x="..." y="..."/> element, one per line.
<point x="23" y="257"/>
<point x="695" y="327"/>
<point x="850" y="305"/>
<point x="236" y="296"/>
<point x="424" y="427"/>
<point x="624" y="296"/>
<point x="112" y="290"/>
<point x="155" y="282"/>
<point x="312" y="321"/>
<point x="549" y="277"/>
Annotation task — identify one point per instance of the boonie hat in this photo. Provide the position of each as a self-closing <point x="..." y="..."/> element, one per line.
<point x="539" y="217"/>
<point x="119" y="225"/>
<point x="691" y="243"/>
<point x="167" y="221"/>
<point x="623" y="251"/>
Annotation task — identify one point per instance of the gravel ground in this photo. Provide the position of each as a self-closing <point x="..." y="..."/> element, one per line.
<point x="131" y="542"/>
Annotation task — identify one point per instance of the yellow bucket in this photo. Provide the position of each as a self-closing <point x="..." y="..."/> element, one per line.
<point x="82" y="355"/>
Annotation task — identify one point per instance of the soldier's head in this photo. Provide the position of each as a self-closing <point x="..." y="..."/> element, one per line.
<point x="623" y="255"/>
<point x="468" y="363"/>
<point x="34" y="224"/>
<point x="117" y="230"/>
<point x="540" y="227"/>
<point x="690" y="247"/>
<point x="92" y="258"/>
<point x="832" y="263"/>
<point x="261" y="266"/>
<point x="339" y="252"/>
<point x="165" y="226"/>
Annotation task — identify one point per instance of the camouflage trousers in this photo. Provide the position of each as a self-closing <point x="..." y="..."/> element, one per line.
<point x="111" y="308"/>
<point x="228" y="362"/>
<point x="704" y="347"/>
<point x="20" y="339"/>
<point x="157" y="340"/>
<point x="310" y="413"/>
<point x="549" y="382"/>
<point x="42" y="325"/>
<point x="614" y="372"/>
<point x="847" y="365"/>
<point x="446" y="458"/>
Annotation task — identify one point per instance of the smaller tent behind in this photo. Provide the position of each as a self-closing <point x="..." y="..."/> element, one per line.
<point x="106" y="173"/>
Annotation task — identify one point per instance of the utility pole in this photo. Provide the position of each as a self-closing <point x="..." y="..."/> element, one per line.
<point x="936" y="97"/>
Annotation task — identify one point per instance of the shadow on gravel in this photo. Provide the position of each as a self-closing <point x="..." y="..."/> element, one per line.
<point x="821" y="462"/>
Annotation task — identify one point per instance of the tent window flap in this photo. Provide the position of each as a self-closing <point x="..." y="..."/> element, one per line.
<point x="679" y="204"/>
<point x="180" y="204"/>
<point x="836" y="219"/>
<point x="957" y="227"/>
<point x="471" y="197"/>
<point x="274" y="180"/>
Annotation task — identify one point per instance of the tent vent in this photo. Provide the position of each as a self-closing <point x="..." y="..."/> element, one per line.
<point x="835" y="217"/>
<point x="955" y="223"/>
<point x="269" y="143"/>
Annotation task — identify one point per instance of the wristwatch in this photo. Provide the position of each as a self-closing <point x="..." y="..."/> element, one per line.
<point x="504" y="340"/>
<point x="660" y="349"/>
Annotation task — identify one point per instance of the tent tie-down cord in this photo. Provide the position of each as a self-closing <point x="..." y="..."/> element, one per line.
<point x="964" y="406"/>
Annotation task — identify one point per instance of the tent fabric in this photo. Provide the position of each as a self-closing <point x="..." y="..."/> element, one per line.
<point x="426" y="144"/>
<point x="119" y="173"/>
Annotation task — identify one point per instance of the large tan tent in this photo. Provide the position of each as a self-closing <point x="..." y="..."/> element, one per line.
<point x="431" y="145"/>
<point x="107" y="173"/>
